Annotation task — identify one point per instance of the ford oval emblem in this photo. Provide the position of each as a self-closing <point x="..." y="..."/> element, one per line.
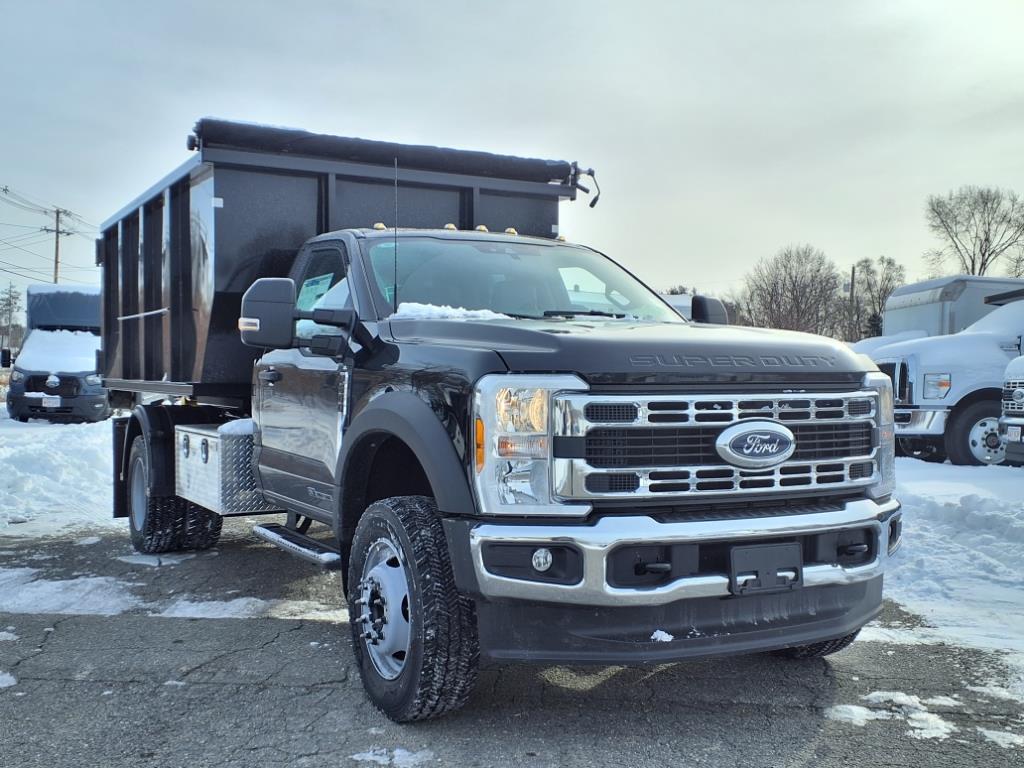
<point x="755" y="444"/>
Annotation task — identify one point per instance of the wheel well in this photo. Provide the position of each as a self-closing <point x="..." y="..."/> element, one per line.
<point x="382" y="466"/>
<point x="976" y="397"/>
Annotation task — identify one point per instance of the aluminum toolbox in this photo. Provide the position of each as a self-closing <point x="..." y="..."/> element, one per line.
<point x="214" y="468"/>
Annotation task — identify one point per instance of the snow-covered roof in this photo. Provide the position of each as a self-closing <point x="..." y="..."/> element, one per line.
<point x="942" y="282"/>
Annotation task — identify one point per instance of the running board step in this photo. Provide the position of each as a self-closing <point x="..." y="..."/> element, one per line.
<point x="300" y="545"/>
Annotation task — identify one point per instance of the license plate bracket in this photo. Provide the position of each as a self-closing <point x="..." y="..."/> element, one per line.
<point x="760" y="568"/>
<point x="51" y="401"/>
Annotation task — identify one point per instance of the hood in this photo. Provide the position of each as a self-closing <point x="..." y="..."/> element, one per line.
<point x="619" y="352"/>
<point x="58" y="352"/>
<point x="967" y="349"/>
<point x="869" y="345"/>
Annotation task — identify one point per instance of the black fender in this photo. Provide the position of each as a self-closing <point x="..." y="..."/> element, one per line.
<point x="156" y="425"/>
<point x="410" y="419"/>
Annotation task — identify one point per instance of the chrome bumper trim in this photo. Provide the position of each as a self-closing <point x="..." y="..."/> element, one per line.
<point x="595" y="542"/>
<point x="922" y="422"/>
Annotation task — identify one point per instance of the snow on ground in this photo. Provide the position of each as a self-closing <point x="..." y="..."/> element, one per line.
<point x="54" y="477"/>
<point x="959" y="566"/>
<point x="21" y="591"/>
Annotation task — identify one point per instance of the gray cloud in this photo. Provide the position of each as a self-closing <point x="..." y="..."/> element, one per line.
<point x="720" y="132"/>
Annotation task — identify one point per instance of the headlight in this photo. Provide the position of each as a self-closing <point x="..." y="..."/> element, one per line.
<point x="17" y="375"/>
<point x="512" y="443"/>
<point x="94" y="379"/>
<point x="936" y="385"/>
<point x="886" y="456"/>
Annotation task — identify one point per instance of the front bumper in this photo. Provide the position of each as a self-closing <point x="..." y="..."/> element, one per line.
<point x="594" y="622"/>
<point x="74" y="408"/>
<point x="921" y="422"/>
<point x="595" y="542"/>
<point x="1014" y="450"/>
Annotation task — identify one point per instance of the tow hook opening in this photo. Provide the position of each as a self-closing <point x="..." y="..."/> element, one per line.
<point x="895" y="533"/>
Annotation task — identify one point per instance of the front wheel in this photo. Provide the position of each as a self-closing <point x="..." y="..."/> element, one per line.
<point x="972" y="435"/>
<point x="414" y="636"/>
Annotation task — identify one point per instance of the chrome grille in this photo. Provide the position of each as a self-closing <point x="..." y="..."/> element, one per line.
<point x="1009" y="404"/>
<point x="620" y="446"/>
<point x="68" y="386"/>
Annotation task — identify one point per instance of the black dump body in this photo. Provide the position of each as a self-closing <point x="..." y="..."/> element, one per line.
<point x="178" y="258"/>
<point x="65" y="308"/>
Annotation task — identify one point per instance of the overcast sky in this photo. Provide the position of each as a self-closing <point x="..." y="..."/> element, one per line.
<point x="720" y="131"/>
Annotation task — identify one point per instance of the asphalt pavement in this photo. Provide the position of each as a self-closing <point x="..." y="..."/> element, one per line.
<point x="114" y="660"/>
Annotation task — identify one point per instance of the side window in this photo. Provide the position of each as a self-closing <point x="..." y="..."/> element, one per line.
<point x="324" y="285"/>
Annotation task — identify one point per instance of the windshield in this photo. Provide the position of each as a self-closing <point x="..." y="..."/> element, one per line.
<point x="510" y="278"/>
<point x="1007" y="319"/>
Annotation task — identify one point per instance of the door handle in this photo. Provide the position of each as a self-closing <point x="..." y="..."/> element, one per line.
<point x="269" y="376"/>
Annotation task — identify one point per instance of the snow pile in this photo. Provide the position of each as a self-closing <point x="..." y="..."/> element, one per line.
<point x="22" y="592"/>
<point x="251" y="608"/>
<point x="895" y="705"/>
<point x="237" y="427"/>
<point x="413" y="311"/>
<point x="54" y="476"/>
<point x="399" y="757"/>
<point x="854" y="714"/>
<point x="6" y="679"/>
<point x="59" y="352"/>
<point x="959" y="566"/>
<point x="1002" y="738"/>
<point x="661" y="636"/>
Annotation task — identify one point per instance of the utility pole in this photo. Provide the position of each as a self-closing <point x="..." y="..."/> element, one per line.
<point x="57" y="232"/>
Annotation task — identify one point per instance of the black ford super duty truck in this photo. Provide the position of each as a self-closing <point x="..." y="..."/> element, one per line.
<point x="511" y="448"/>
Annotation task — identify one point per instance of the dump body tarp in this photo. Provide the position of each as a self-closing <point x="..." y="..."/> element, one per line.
<point x="212" y="132"/>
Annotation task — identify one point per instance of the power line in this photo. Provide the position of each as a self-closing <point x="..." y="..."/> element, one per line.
<point x="21" y="226"/>
<point x="21" y="247"/>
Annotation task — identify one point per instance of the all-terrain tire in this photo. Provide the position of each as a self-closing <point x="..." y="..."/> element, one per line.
<point x="439" y="669"/>
<point x="164" y="523"/>
<point x="818" y="650"/>
<point x="202" y="527"/>
<point x="958" y="432"/>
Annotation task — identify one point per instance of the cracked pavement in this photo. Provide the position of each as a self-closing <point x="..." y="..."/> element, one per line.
<point x="135" y="688"/>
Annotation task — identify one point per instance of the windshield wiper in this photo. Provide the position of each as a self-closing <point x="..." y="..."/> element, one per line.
<point x="574" y="312"/>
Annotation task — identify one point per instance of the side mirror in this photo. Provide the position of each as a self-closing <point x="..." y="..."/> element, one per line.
<point x="5" y="358"/>
<point x="706" y="309"/>
<point x="268" y="313"/>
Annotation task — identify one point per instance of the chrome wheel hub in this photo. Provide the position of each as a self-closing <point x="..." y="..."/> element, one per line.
<point x="986" y="444"/>
<point x="383" y="604"/>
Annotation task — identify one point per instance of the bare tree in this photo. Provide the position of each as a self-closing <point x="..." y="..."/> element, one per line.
<point x="977" y="227"/>
<point x="680" y="290"/>
<point x="796" y="289"/>
<point x="10" y="305"/>
<point x="874" y="285"/>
